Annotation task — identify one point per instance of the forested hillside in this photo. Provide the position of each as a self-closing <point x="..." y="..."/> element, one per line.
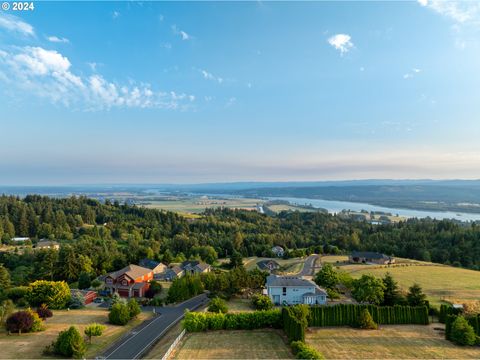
<point x="97" y="238"/>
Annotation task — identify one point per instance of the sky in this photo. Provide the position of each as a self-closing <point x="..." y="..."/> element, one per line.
<point x="190" y="92"/>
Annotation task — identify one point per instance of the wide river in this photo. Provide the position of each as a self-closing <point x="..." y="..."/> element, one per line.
<point x="334" y="206"/>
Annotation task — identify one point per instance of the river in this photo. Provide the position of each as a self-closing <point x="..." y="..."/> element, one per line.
<point x="334" y="206"/>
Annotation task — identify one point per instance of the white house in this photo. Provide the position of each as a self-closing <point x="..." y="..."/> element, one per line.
<point x="291" y="290"/>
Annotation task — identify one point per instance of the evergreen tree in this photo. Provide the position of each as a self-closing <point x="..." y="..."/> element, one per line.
<point x="391" y="294"/>
<point x="415" y="296"/>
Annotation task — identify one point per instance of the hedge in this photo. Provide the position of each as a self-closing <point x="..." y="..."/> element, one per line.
<point x="474" y="321"/>
<point x="294" y="329"/>
<point x="347" y="314"/>
<point x="304" y="351"/>
<point x="446" y="310"/>
<point x="195" y="321"/>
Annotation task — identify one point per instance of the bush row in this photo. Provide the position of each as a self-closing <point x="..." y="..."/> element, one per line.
<point x="347" y="314"/>
<point x="446" y="310"/>
<point x="293" y="327"/>
<point x="304" y="351"/>
<point x="473" y="321"/>
<point x="195" y="321"/>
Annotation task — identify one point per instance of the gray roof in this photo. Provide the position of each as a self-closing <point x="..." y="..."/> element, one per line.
<point x="369" y="255"/>
<point x="264" y="264"/>
<point x="148" y="263"/>
<point x="274" y="280"/>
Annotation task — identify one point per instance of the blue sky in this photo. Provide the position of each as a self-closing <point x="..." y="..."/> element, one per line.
<point x="154" y="92"/>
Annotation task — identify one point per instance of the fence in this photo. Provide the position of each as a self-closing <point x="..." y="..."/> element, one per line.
<point x="174" y="345"/>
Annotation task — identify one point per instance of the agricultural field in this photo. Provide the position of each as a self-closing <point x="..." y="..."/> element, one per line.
<point x="439" y="282"/>
<point x="233" y="344"/>
<point x="388" y="342"/>
<point x="195" y="205"/>
<point x="31" y="346"/>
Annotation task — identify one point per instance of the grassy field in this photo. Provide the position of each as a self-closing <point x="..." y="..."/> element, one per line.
<point x="286" y="207"/>
<point x="198" y="204"/>
<point x="438" y="282"/>
<point x="31" y="346"/>
<point x="239" y="305"/>
<point x="234" y="344"/>
<point x="389" y="342"/>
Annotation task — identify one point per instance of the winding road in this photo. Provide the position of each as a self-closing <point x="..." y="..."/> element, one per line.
<point x="141" y="339"/>
<point x="309" y="266"/>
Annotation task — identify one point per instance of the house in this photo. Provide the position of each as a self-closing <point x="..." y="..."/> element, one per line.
<point x="291" y="290"/>
<point x="268" y="265"/>
<point x="87" y="295"/>
<point x="20" y="239"/>
<point x="156" y="266"/>
<point x="131" y="281"/>
<point x="195" y="267"/>
<point x="47" y="244"/>
<point x="170" y="274"/>
<point x="368" y="257"/>
<point x="278" y="251"/>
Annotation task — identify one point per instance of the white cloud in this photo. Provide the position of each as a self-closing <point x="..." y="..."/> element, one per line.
<point x="458" y="11"/>
<point x="362" y="69"/>
<point x="115" y="14"/>
<point x="341" y="42"/>
<point x="231" y="102"/>
<point x="166" y="45"/>
<point x="412" y="73"/>
<point x="407" y="76"/>
<point x="183" y="34"/>
<point x="415" y="70"/>
<point x="14" y="24"/>
<point x="209" y="76"/>
<point x="92" y="65"/>
<point x="56" y="39"/>
<point x="47" y="73"/>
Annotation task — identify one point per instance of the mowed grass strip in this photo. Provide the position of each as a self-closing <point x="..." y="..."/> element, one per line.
<point x="234" y="344"/>
<point x="31" y="345"/>
<point x="389" y="342"/>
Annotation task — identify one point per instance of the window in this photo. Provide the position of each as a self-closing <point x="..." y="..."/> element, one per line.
<point x="284" y="290"/>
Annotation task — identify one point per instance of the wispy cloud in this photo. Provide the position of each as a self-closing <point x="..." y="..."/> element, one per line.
<point x="115" y="14"/>
<point x="56" y="39"/>
<point x="209" y="76"/>
<point x="341" y="42"/>
<point x="459" y="11"/>
<point x="48" y="73"/>
<point x="230" y="102"/>
<point x="14" y="24"/>
<point x="412" y="73"/>
<point x="184" y="35"/>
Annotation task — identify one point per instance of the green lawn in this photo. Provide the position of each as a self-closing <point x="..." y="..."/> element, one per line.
<point x="239" y="305"/>
<point x="233" y="344"/>
<point x="389" y="342"/>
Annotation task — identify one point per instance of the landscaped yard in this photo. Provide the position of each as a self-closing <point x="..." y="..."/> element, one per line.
<point x="389" y="342"/>
<point x="31" y="346"/>
<point x="239" y="305"/>
<point x="234" y="344"/>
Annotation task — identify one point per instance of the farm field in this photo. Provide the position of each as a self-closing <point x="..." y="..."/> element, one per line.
<point x="439" y="282"/>
<point x="285" y="207"/>
<point x="389" y="342"/>
<point x="31" y="346"/>
<point x="197" y="204"/>
<point x="234" y="344"/>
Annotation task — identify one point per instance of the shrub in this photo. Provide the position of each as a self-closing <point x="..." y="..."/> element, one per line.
<point x="94" y="329"/>
<point x="119" y="314"/>
<point x="155" y="302"/>
<point x="84" y="281"/>
<point x="6" y="309"/>
<point x="365" y="320"/>
<point x="44" y="312"/>
<point x="96" y="283"/>
<point x="17" y="293"/>
<point x="37" y="322"/>
<point x="70" y="343"/>
<point x="218" y="305"/>
<point x="19" y="321"/>
<point x="77" y="301"/>
<point x="462" y="333"/>
<point x="304" y="351"/>
<point x="55" y="294"/>
<point x="133" y="308"/>
<point x="262" y="302"/>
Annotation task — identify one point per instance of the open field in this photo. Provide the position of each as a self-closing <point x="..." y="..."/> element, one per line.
<point x="438" y="281"/>
<point x="389" y="342"/>
<point x="199" y="204"/>
<point x="31" y="346"/>
<point x="239" y="305"/>
<point x="286" y="207"/>
<point x="233" y="344"/>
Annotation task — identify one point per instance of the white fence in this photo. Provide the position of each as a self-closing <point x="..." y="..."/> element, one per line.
<point x="174" y="345"/>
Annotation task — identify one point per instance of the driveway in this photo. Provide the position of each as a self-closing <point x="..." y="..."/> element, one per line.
<point x="138" y="341"/>
<point x="309" y="266"/>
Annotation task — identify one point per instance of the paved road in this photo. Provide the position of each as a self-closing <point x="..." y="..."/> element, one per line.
<point x="309" y="266"/>
<point x="138" y="341"/>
